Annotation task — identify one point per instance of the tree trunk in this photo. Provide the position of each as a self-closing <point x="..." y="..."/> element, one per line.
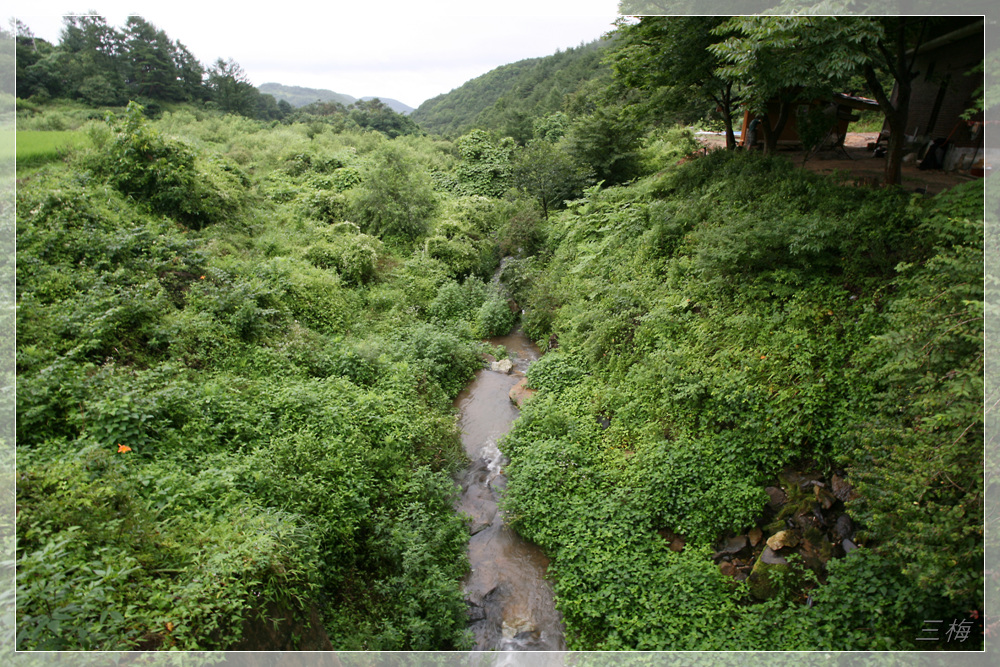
<point x="895" y="117"/>
<point x="771" y="134"/>
<point x="727" y="117"/>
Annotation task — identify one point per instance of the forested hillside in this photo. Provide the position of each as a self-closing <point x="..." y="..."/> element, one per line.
<point x="508" y="98"/>
<point x="757" y="423"/>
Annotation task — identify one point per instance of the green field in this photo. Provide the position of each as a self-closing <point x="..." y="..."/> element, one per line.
<point x="35" y="147"/>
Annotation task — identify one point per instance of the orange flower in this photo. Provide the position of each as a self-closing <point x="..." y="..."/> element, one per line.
<point x="202" y="278"/>
<point x="124" y="448"/>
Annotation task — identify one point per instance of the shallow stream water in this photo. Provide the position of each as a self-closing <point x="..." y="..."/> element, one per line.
<point x="511" y="603"/>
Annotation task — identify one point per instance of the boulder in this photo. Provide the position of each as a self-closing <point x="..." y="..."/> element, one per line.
<point x="519" y="393"/>
<point x="502" y="366"/>
<point x="733" y="545"/>
<point x="776" y="497"/>
<point x="844" y="528"/>
<point x="760" y="579"/>
<point x="841" y="489"/>
<point x="786" y="538"/>
<point x="768" y="557"/>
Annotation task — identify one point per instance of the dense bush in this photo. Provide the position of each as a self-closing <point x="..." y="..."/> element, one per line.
<point x="144" y="165"/>
<point x="716" y="324"/>
<point x="394" y="198"/>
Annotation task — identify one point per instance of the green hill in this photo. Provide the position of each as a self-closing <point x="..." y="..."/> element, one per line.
<point x="299" y="96"/>
<point x="508" y="97"/>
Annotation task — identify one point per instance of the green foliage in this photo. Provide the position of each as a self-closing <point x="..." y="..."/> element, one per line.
<point x="921" y="485"/>
<point x="607" y="141"/>
<point x="394" y="199"/>
<point x="142" y="164"/>
<point x="353" y="255"/>
<point x="494" y="317"/>
<point x="485" y="167"/>
<point x="511" y="96"/>
<point x="547" y="172"/>
<point x="713" y="325"/>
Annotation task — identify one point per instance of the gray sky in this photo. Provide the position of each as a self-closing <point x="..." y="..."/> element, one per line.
<point x="389" y="49"/>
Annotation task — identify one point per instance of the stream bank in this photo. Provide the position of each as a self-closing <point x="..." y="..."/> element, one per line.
<point x="511" y="605"/>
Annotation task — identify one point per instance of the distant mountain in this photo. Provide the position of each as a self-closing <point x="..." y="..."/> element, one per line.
<point x="395" y="105"/>
<point x="299" y="96"/>
<point x="509" y="97"/>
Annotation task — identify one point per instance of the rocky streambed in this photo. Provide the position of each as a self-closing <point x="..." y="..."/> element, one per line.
<point x="511" y="606"/>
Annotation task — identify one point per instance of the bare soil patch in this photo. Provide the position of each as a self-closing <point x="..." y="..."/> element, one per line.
<point x="855" y="165"/>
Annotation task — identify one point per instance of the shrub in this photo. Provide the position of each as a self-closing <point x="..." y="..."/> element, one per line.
<point x="494" y="317"/>
<point x="394" y="198"/>
<point x="144" y="165"/>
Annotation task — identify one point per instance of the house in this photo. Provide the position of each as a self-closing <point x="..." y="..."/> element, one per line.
<point x="840" y="109"/>
<point x="945" y="87"/>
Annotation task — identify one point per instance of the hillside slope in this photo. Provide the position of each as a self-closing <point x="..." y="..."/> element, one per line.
<point x="507" y="97"/>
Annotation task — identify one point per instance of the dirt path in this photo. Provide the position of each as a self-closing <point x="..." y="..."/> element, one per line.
<point x="857" y="165"/>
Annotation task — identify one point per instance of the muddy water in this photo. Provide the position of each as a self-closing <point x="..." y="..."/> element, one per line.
<point x="511" y="604"/>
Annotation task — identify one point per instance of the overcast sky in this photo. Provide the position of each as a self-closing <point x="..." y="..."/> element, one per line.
<point x="390" y="49"/>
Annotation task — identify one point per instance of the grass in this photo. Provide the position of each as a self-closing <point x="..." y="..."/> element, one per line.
<point x="36" y="147"/>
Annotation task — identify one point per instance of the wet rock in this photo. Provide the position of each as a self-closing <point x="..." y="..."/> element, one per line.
<point x="785" y="538"/>
<point x="824" y="497"/>
<point x="519" y="393"/>
<point x="841" y="489"/>
<point x="755" y="536"/>
<point x="768" y="557"/>
<point x="476" y="613"/>
<point x="776" y="497"/>
<point x="478" y="527"/>
<point x="728" y="569"/>
<point x="488" y="358"/>
<point x="733" y="545"/>
<point x="844" y="528"/>
<point x="502" y="366"/>
<point x="848" y="546"/>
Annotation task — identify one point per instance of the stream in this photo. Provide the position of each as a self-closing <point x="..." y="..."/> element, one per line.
<point x="511" y="603"/>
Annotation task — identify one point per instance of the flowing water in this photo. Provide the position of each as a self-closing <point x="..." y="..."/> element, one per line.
<point x="511" y="603"/>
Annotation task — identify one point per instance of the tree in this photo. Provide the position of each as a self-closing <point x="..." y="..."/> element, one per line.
<point x="668" y="60"/>
<point x="231" y="89"/>
<point x="785" y="59"/>
<point x="806" y="57"/>
<point x="190" y="72"/>
<point x="91" y="60"/>
<point x="152" y="73"/>
<point x="547" y="173"/>
<point x="395" y="199"/>
<point x="608" y="142"/>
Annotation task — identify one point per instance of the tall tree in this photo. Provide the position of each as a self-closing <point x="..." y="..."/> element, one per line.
<point x="809" y="56"/>
<point x="94" y="66"/>
<point x="231" y="89"/>
<point x="152" y="72"/>
<point x="668" y="60"/>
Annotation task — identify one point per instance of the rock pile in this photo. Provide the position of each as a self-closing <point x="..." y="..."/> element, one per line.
<point x="804" y="515"/>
